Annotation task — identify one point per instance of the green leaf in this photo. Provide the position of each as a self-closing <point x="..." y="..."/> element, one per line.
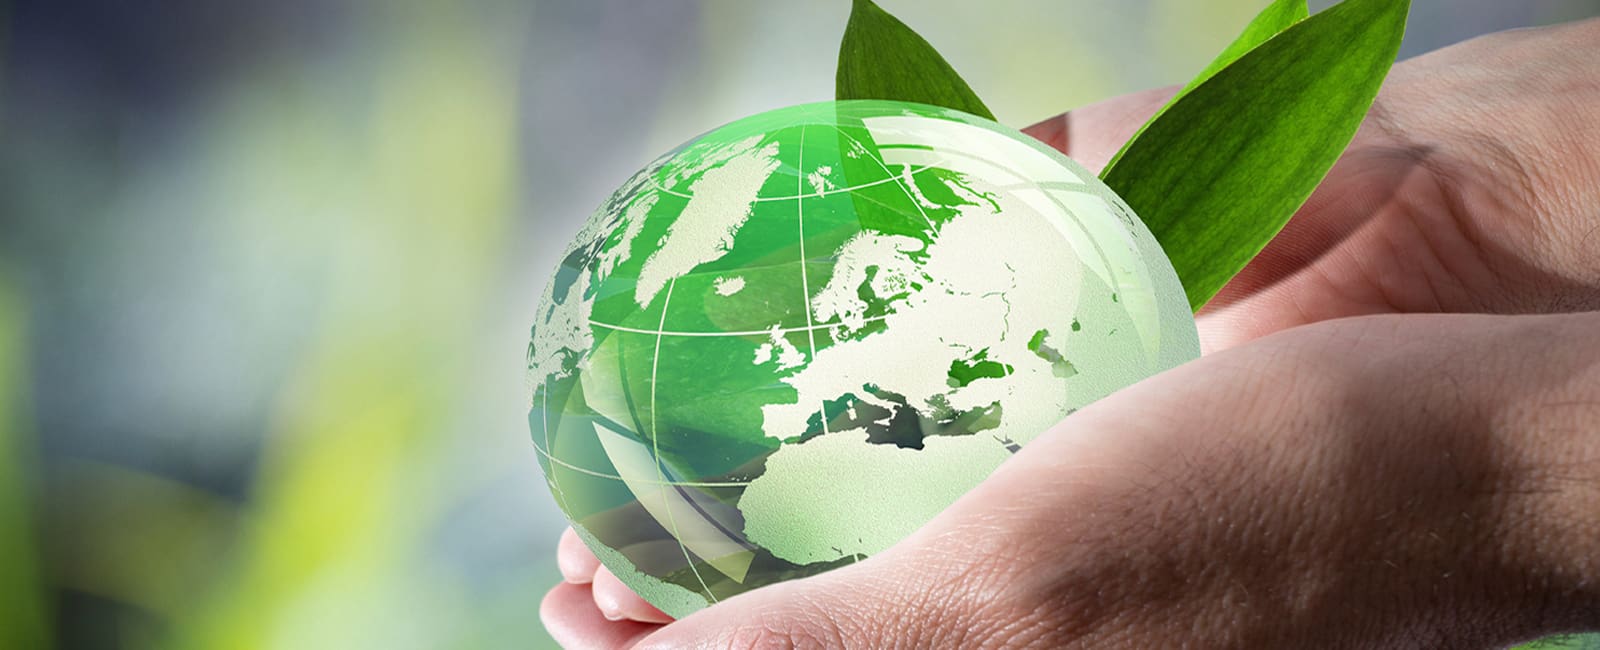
<point x="1272" y="21"/>
<point x="1277" y="17"/>
<point x="881" y="58"/>
<point x="1218" y="174"/>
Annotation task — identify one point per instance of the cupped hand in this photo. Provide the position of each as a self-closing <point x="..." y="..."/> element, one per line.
<point x="591" y="608"/>
<point x="1469" y="189"/>
<point x="1356" y="483"/>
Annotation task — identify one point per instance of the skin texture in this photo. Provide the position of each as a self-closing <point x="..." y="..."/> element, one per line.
<point x="1393" y="441"/>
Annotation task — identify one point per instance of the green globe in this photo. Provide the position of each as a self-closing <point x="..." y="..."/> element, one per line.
<point x="791" y="342"/>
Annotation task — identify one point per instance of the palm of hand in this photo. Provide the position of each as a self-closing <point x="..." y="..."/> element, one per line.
<point x="1395" y="228"/>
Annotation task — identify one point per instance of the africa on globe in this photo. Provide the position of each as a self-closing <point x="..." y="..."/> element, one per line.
<point x="791" y="342"/>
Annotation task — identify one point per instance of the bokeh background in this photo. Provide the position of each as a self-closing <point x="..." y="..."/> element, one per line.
<point x="266" y="271"/>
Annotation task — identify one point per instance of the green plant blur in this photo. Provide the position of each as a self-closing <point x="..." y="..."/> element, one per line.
<point x="24" y="617"/>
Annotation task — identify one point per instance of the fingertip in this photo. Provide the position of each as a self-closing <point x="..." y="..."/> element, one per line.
<point x="617" y="602"/>
<point x="569" y="615"/>
<point x="577" y="563"/>
<point x="1052" y="132"/>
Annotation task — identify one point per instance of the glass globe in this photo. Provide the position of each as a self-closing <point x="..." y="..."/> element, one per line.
<point x="791" y="342"/>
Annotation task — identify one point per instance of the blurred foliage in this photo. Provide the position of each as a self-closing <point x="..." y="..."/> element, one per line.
<point x="24" y="614"/>
<point x="327" y="555"/>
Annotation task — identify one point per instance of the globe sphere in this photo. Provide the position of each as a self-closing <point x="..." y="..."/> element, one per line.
<point x="795" y="339"/>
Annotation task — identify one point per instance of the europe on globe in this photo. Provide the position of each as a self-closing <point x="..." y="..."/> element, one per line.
<point x="794" y="340"/>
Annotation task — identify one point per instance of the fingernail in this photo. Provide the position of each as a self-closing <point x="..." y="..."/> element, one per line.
<point x="653" y="616"/>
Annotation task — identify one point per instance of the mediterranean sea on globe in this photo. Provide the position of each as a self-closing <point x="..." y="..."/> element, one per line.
<point x="794" y="340"/>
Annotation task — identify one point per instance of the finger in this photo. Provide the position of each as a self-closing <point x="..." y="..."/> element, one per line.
<point x="569" y="615"/>
<point x="618" y="602"/>
<point x="1093" y="134"/>
<point x="1221" y="329"/>
<point x="577" y="562"/>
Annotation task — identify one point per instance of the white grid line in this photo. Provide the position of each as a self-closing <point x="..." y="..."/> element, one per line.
<point x="614" y="477"/>
<point x="805" y="282"/>
<point x="893" y="176"/>
<point x="765" y="332"/>
<point x="808" y="195"/>
<point x="655" y="447"/>
<point x="561" y="495"/>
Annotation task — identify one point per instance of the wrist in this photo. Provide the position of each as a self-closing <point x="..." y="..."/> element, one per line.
<point x="1433" y="480"/>
<point x="1547" y="431"/>
<point x="1463" y="468"/>
<point x="1386" y="481"/>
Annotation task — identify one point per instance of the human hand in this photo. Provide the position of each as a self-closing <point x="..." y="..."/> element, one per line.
<point x="1286" y="493"/>
<point x="1471" y="188"/>
<point x="1465" y="192"/>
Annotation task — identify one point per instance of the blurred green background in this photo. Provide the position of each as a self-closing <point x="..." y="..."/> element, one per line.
<point x="266" y="271"/>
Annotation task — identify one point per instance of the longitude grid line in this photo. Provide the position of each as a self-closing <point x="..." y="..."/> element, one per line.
<point x="903" y="188"/>
<point x="1115" y="285"/>
<point x="655" y="444"/>
<point x="805" y="282"/>
<point x="896" y="178"/>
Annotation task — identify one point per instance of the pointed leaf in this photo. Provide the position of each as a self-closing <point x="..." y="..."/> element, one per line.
<point x="881" y="58"/>
<point x="1277" y="17"/>
<point x="1219" y="173"/>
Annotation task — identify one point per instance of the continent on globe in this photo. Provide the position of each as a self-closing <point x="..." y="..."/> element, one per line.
<point x="791" y="342"/>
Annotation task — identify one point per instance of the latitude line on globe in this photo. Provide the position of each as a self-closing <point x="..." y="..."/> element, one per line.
<point x="1048" y="190"/>
<point x="910" y="176"/>
<point x="820" y="194"/>
<point x="805" y="282"/>
<point x="614" y="477"/>
<point x="1026" y="182"/>
<point x="560" y="494"/>
<point x="765" y="332"/>
<point x="655" y="446"/>
<point x="1058" y="186"/>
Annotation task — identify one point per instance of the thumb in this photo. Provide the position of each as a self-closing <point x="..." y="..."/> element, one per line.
<point x="1093" y="134"/>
